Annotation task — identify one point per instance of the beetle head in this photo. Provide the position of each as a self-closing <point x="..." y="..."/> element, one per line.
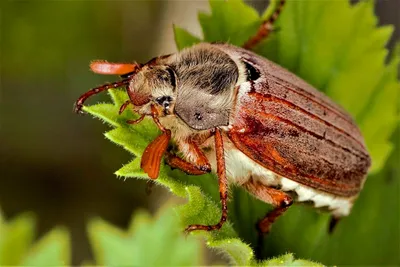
<point x="153" y="85"/>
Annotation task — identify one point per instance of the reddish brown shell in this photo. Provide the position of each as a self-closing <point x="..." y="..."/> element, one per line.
<point x="292" y="129"/>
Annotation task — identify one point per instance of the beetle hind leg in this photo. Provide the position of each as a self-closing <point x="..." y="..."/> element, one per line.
<point x="279" y="199"/>
<point x="264" y="225"/>
<point x="333" y="223"/>
<point x="265" y="28"/>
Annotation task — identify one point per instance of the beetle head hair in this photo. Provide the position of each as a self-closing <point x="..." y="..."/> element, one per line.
<point x="153" y="83"/>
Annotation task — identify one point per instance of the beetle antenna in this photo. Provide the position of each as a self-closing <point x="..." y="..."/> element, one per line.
<point x="104" y="87"/>
<point x="265" y="28"/>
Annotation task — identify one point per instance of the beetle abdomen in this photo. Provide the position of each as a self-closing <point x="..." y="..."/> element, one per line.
<point x="290" y="128"/>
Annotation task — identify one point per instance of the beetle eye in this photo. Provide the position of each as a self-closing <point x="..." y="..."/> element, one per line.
<point x="164" y="101"/>
<point x="251" y="72"/>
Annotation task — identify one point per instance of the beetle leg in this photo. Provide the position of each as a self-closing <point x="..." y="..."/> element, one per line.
<point x="123" y="106"/>
<point x="149" y="187"/>
<point x="223" y="187"/>
<point x="333" y="223"/>
<point x="279" y="199"/>
<point x="82" y="98"/>
<point x="283" y="202"/>
<point x="154" y="115"/>
<point x="265" y="28"/>
<point x="136" y="121"/>
<point x="151" y="158"/>
<point x="194" y="161"/>
<point x="200" y="165"/>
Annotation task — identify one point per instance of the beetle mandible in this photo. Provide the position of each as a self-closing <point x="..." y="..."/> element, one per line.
<point x="253" y="122"/>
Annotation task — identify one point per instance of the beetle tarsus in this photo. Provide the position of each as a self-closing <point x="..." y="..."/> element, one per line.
<point x="78" y="108"/>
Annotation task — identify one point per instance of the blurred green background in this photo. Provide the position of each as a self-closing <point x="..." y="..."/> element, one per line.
<point x="53" y="162"/>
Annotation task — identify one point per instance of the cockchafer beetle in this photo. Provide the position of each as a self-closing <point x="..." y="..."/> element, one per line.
<point x="255" y="123"/>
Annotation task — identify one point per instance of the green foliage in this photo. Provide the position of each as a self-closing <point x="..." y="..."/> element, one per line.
<point x="288" y="260"/>
<point x="17" y="246"/>
<point x="341" y="53"/>
<point x="147" y="242"/>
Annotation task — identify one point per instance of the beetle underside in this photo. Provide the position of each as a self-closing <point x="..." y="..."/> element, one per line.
<point x="245" y="172"/>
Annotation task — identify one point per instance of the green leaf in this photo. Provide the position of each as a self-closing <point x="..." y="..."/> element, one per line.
<point x="288" y="260"/>
<point x="343" y="54"/>
<point x="232" y="21"/>
<point x="147" y="242"/>
<point x="184" y="39"/>
<point x="16" y="237"/>
<point x="52" y="250"/>
<point x="17" y="247"/>
<point x="382" y="104"/>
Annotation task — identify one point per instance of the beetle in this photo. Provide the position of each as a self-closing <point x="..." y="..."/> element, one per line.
<point x="255" y="123"/>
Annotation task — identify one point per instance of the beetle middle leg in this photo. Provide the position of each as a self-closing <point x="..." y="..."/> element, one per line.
<point x="124" y="106"/>
<point x="265" y="28"/>
<point x="223" y="187"/>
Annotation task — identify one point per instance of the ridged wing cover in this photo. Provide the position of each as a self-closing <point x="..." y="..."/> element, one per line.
<point x="292" y="129"/>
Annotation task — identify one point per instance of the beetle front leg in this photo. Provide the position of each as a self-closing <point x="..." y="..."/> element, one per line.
<point x="223" y="187"/>
<point x="188" y="167"/>
<point x="196" y="163"/>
